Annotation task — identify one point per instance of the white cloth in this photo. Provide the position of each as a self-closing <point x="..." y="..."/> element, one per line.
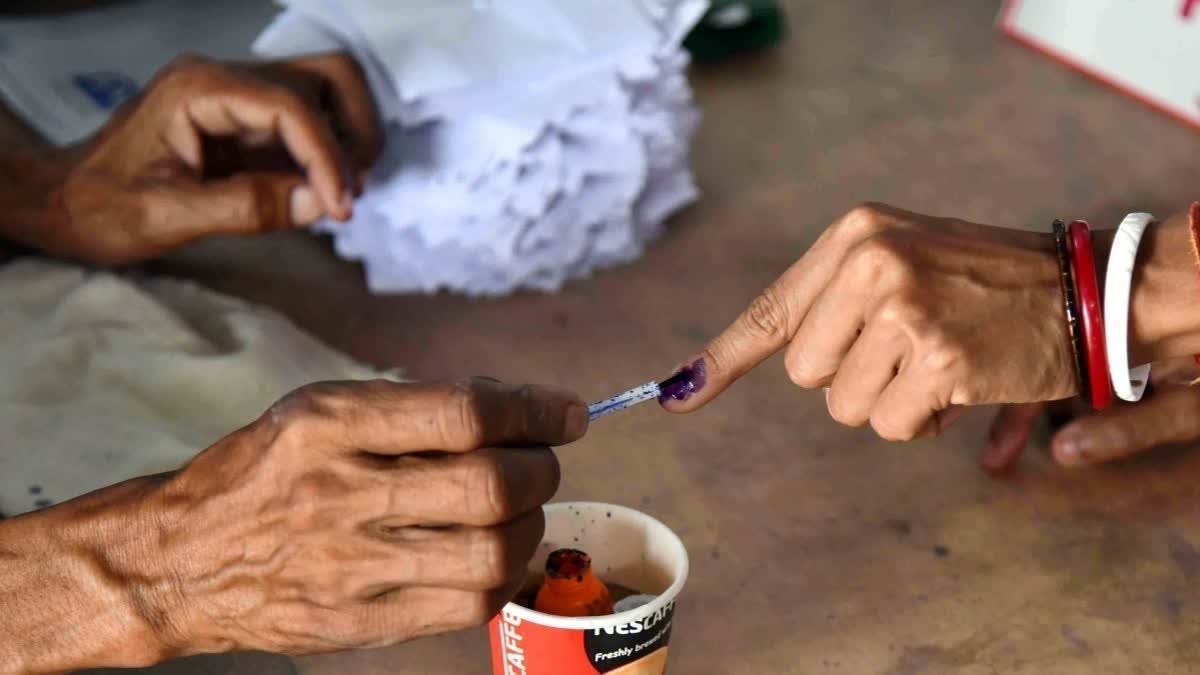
<point x="103" y="378"/>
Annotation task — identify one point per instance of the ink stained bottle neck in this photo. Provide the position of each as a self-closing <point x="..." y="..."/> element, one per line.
<point x="571" y="588"/>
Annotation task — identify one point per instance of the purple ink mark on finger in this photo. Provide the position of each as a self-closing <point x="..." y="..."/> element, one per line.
<point x="683" y="384"/>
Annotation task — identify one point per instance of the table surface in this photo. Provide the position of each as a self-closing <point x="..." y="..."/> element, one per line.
<point x="817" y="548"/>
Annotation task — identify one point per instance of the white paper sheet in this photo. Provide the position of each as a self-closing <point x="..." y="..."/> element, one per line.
<point x="530" y="142"/>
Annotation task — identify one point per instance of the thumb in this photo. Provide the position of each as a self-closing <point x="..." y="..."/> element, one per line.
<point x="244" y="203"/>
<point x="1170" y="416"/>
<point x="1180" y="372"/>
<point x="1010" y="434"/>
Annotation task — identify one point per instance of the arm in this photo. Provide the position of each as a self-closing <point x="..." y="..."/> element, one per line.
<point x="1165" y="302"/>
<point x="31" y="197"/>
<point x="68" y="595"/>
<point x="906" y="318"/>
<point x="1166" y="294"/>
<point x="327" y="524"/>
<point x="208" y="149"/>
<point x="62" y="604"/>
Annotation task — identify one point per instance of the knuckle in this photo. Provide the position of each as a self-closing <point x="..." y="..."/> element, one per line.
<point x="942" y="354"/>
<point x="267" y="207"/>
<point x="379" y="387"/>
<point x="155" y="210"/>
<point x="490" y="551"/>
<point x="555" y="472"/>
<point x="481" y="608"/>
<point x="463" y="422"/>
<point x="190" y="70"/>
<point x="284" y="99"/>
<point x="306" y="492"/>
<point x="903" y="272"/>
<point x="307" y="397"/>
<point x="1120" y="436"/>
<point x="841" y="412"/>
<point x="766" y="317"/>
<point x="293" y="432"/>
<point x="801" y="371"/>
<point x="319" y="400"/>
<point x="343" y="66"/>
<point x="489" y="488"/>
<point x="300" y="415"/>
<point x="189" y="62"/>
<point x="892" y="430"/>
<point x="533" y="415"/>
<point x="864" y="219"/>
<point x="878" y="256"/>
<point x="905" y="311"/>
<point x="313" y="500"/>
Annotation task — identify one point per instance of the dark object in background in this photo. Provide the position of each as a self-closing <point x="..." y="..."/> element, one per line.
<point x="36" y="7"/>
<point x="734" y="26"/>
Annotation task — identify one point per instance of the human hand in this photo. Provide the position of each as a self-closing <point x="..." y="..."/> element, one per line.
<point x="356" y="515"/>
<point x="213" y="148"/>
<point x="904" y="318"/>
<point x="1169" y="413"/>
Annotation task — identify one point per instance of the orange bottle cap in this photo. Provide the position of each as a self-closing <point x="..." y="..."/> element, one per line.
<point x="570" y="588"/>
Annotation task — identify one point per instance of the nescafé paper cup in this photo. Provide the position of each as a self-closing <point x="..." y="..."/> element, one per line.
<point x="627" y="547"/>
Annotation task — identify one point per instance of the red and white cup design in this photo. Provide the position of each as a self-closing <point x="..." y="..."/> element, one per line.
<point x="627" y="547"/>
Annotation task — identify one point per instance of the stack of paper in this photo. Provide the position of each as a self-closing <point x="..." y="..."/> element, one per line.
<point x="528" y="141"/>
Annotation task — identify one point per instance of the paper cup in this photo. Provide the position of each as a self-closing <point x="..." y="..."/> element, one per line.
<point x="627" y="547"/>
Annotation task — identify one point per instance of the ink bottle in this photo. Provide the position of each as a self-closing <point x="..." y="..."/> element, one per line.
<point x="570" y="588"/>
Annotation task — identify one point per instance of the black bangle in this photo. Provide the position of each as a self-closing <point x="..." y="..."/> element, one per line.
<point x="1066" y="278"/>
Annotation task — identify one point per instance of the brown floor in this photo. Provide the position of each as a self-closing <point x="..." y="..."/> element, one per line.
<point x="817" y="548"/>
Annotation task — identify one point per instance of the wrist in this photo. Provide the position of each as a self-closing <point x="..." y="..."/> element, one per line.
<point x="73" y="589"/>
<point x="1164" y="303"/>
<point x="32" y="208"/>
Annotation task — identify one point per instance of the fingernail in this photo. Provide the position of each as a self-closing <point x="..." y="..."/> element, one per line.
<point x="347" y="204"/>
<point x="681" y="385"/>
<point x="577" y="420"/>
<point x="305" y="209"/>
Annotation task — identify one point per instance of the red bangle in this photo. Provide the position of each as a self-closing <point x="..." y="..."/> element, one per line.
<point x="1087" y="292"/>
<point x="1194" y="227"/>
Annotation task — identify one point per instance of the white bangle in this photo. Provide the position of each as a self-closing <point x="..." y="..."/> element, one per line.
<point x="1128" y="383"/>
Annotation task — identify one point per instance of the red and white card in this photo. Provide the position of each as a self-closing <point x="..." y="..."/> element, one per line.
<point x="1148" y="49"/>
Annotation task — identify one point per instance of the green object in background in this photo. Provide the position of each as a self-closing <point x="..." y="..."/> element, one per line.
<point x="734" y="26"/>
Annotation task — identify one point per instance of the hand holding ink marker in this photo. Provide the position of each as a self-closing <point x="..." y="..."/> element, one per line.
<point x="678" y="387"/>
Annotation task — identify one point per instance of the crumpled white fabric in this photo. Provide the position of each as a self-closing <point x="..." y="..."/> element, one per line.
<point x="104" y="378"/>
<point x="528" y="141"/>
